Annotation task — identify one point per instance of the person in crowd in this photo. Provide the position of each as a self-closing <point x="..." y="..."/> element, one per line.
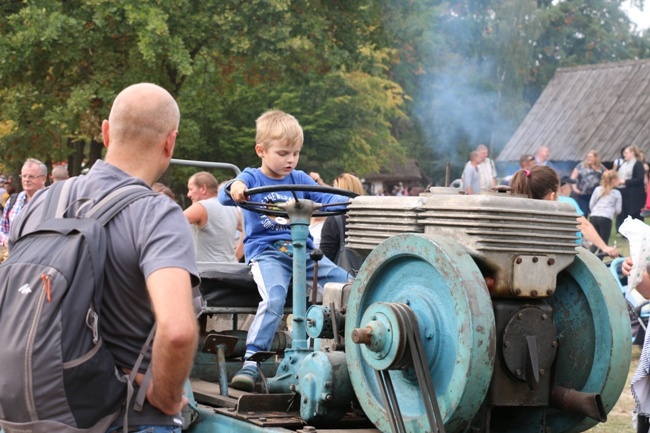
<point x="32" y="178"/>
<point x="331" y="236"/>
<point x="630" y="183"/>
<point x="316" y="222"/>
<point x="526" y="161"/>
<point x="618" y="161"/>
<point x="59" y="172"/>
<point x="486" y="169"/>
<point x="587" y="174"/>
<point x="471" y="177"/>
<point x="213" y="225"/>
<point x="163" y="189"/>
<point x="10" y="189"/>
<point x="542" y="183"/>
<point x="316" y="178"/>
<point x="641" y="378"/>
<point x="605" y="203"/>
<point x="267" y="243"/>
<point x="399" y="190"/>
<point x="239" y="234"/>
<point x="316" y="228"/>
<point x="543" y="156"/>
<point x="150" y="263"/>
<point x="3" y="191"/>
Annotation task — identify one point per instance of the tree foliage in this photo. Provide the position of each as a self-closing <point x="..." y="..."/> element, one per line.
<point x="371" y="82"/>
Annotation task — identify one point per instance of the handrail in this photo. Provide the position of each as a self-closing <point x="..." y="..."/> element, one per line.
<point x="206" y="164"/>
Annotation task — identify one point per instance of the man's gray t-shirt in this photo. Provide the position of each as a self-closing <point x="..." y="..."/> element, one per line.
<point x="471" y="179"/>
<point x="150" y="234"/>
<point x="215" y="241"/>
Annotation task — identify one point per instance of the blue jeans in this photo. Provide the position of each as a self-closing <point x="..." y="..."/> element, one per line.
<point x="147" y="429"/>
<point x="272" y="272"/>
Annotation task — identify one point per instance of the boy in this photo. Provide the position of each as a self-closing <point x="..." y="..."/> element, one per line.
<point x="267" y="241"/>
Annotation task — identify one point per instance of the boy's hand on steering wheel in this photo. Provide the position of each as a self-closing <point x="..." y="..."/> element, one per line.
<point x="238" y="191"/>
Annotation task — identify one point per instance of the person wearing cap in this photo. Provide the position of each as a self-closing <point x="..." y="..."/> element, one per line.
<point x="526" y="162"/>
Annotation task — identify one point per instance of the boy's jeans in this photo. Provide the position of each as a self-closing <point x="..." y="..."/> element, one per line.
<point x="272" y="271"/>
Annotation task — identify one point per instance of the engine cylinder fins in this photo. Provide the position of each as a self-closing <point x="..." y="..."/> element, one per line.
<point x="443" y="286"/>
<point x="594" y="351"/>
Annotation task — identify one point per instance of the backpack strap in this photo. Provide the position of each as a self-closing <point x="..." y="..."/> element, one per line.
<point x="116" y="201"/>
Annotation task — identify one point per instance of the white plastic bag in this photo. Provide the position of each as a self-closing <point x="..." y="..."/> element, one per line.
<point x="638" y="235"/>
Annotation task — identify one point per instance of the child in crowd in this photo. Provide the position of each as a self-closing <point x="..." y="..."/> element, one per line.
<point x="605" y="203"/>
<point x="541" y="183"/>
<point x="267" y="241"/>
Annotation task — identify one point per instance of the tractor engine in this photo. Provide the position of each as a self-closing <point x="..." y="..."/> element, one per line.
<point x="519" y="330"/>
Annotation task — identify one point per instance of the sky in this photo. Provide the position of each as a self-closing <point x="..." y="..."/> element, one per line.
<point x="642" y="19"/>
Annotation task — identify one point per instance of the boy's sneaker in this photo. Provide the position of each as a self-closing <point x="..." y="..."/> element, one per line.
<point x="245" y="379"/>
<point x="645" y="212"/>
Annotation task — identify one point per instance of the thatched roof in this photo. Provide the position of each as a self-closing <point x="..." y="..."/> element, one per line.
<point x="408" y="171"/>
<point x="603" y="107"/>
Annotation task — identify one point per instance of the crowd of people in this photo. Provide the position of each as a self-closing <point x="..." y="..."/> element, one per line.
<point x="603" y="197"/>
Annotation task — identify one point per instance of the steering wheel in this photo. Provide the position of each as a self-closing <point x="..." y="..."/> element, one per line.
<point x="271" y="208"/>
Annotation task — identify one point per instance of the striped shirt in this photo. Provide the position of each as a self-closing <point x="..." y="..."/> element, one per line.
<point x="8" y="217"/>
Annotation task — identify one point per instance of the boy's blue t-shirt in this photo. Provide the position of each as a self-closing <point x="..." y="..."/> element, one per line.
<point x="263" y="230"/>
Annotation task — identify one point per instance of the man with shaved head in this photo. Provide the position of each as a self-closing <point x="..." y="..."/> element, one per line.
<point x="151" y="264"/>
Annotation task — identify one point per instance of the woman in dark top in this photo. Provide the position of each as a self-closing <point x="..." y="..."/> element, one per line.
<point x="587" y="174"/>
<point x="330" y="241"/>
<point x="631" y="184"/>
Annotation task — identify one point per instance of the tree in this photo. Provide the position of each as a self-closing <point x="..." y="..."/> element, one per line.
<point x="225" y="61"/>
<point x="579" y="32"/>
<point x="64" y="62"/>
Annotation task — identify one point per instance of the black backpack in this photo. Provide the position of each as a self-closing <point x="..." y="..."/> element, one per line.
<point x="55" y="372"/>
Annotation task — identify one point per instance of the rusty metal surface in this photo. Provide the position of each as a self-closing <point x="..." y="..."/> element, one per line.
<point x="518" y="325"/>
<point x="212" y="341"/>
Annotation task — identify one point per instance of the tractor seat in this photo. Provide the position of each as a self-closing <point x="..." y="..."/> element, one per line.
<point x="231" y="286"/>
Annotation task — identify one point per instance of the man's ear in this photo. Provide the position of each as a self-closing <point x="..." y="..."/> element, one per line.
<point x="105" y="131"/>
<point x="170" y="142"/>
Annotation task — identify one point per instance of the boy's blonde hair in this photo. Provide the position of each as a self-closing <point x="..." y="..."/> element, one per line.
<point x="278" y="125"/>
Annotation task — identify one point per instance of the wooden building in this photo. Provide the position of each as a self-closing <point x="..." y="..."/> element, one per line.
<point x="604" y="107"/>
<point x="383" y="182"/>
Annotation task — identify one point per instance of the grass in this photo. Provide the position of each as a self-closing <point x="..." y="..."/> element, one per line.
<point x="619" y="419"/>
